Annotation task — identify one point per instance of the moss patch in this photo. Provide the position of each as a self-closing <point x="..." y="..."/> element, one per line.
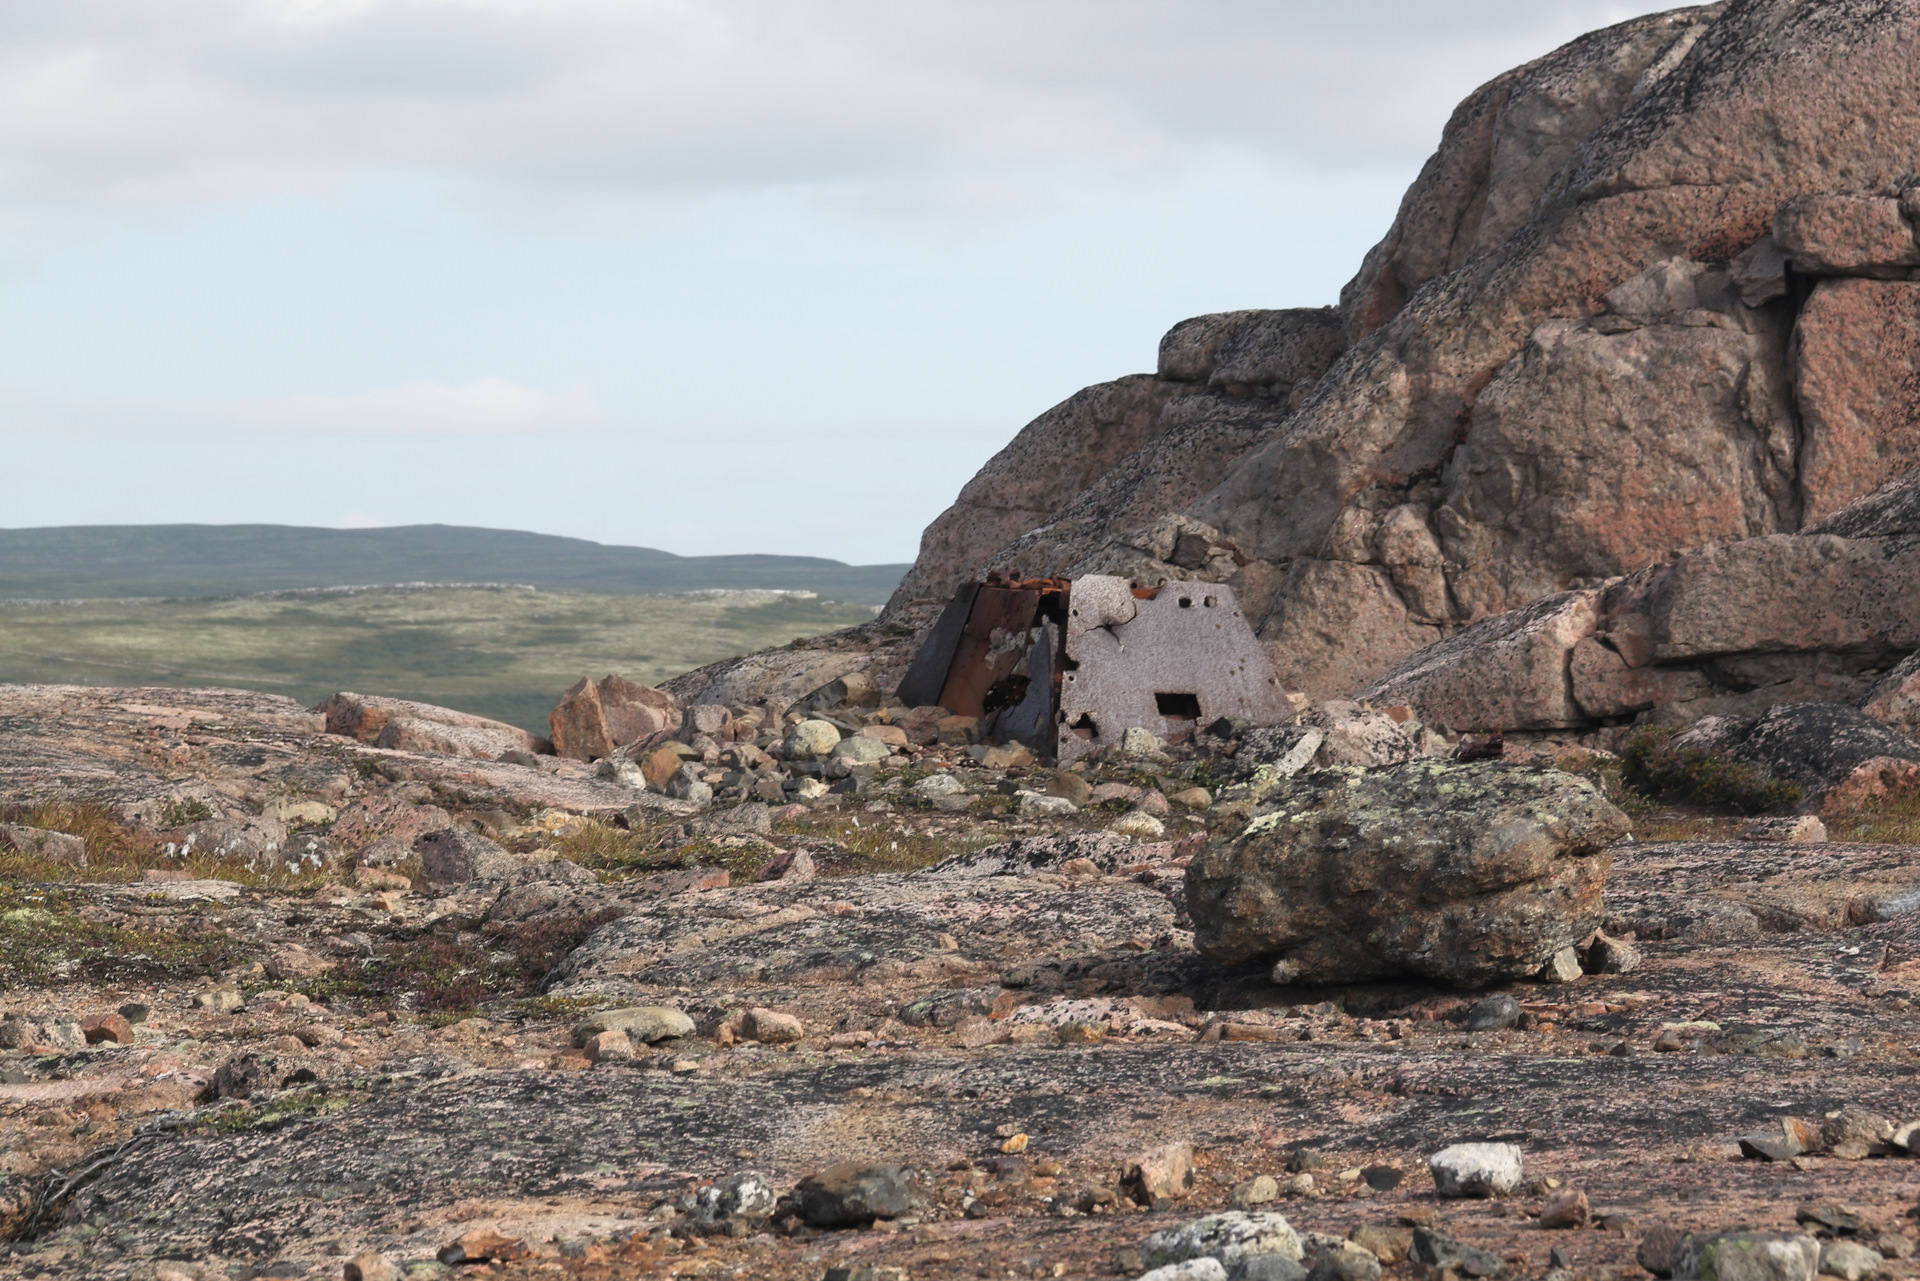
<point x="45" y="938"/>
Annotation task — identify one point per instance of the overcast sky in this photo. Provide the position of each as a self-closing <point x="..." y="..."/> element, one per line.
<point x="706" y="275"/>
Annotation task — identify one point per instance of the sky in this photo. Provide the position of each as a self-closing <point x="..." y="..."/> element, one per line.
<point x="713" y="276"/>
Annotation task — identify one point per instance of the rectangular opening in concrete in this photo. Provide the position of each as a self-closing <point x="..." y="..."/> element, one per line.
<point x="1181" y="707"/>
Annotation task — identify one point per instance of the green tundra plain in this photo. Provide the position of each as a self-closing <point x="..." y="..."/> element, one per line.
<point x="503" y="652"/>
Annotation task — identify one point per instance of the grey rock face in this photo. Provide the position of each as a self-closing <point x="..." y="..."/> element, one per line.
<point x="1467" y="873"/>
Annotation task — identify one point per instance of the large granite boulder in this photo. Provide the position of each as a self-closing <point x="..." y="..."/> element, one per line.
<point x="592" y="720"/>
<point x="1469" y="874"/>
<point x="1586" y="346"/>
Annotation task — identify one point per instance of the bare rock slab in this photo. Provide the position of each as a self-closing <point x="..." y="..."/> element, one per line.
<point x="1466" y="873"/>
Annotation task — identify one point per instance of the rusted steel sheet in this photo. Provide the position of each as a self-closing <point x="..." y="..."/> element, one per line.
<point x="991" y="646"/>
<point x="928" y="675"/>
<point x="1169" y="662"/>
<point x="1030" y="721"/>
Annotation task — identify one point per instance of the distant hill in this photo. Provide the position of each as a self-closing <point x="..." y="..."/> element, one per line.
<point x="108" y="561"/>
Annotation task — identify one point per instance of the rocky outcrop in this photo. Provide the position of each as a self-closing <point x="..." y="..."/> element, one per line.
<point x="593" y="719"/>
<point x="1147" y="445"/>
<point x="1648" y="297"/>
<point x="1837" y="756"/>
<point x="1826" y="616"/>
<point x="407" y="726"/>
<point x="1463" y="873"/>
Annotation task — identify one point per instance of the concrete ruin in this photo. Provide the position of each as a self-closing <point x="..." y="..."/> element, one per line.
<point x="1068" y="666"/>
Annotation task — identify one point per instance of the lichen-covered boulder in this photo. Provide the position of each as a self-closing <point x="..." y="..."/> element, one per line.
<point x="1467" y="873"/>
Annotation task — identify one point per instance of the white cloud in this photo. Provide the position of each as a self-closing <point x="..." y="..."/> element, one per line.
<point x="487" y="407"/>
<point x="568" y="104"/>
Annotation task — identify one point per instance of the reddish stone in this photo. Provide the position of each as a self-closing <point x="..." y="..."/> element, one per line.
<point x="107" y="1027"/>
<point x="1856" y="356"/>
<point x="484" y="1246"/>
<point x="579" y="725"/>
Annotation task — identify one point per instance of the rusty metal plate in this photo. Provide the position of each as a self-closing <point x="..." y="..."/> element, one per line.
<point x="1179" y="660"/>
<point x="982" y="658"/>
<point x="920" y="687"/>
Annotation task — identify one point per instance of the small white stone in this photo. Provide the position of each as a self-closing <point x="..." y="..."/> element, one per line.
<point x="1139" y="825"/>
<point x="1038" y="805"/>
<point x="1229" y="1237"/>
<point x="810" y="740"/>
<point x="1476" y="1169"/>
<point x="1189" y="1270"/>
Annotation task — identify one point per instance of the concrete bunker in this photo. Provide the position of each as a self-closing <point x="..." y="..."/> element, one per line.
<point x="1068" y="666"/>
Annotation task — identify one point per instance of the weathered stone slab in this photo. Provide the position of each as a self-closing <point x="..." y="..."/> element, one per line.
<point x="1786" y="593"/>
<point x="1501" y="673"/>
<point x="1856" y="372"/>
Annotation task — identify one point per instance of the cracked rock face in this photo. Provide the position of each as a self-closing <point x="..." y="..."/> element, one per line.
<point x="1465" y="873"/>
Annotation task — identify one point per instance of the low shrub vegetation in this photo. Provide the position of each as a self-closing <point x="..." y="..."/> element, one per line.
<point x="119" y="853"/>
<point x="1652" y="765"/>
<point x="47" y="936"/>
